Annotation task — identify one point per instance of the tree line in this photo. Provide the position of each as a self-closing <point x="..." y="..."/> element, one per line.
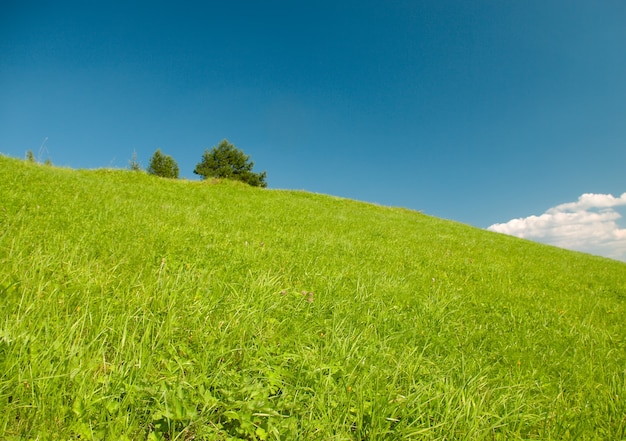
<point x="222" y="161"/>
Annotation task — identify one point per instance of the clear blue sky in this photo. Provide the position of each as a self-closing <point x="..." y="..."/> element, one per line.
<point x="476" y="111"/>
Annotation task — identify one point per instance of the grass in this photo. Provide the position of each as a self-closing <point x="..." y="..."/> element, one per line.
<point x="134" y="307"/>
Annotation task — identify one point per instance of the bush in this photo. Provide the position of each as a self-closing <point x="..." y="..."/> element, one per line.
<point x="163" y="165"/>
<point x="227" y="161"/>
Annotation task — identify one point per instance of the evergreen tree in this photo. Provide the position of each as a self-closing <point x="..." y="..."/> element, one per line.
<point x="227" y="161"/>
<point x="133" y="164"/>
<point x="163" y="165"/>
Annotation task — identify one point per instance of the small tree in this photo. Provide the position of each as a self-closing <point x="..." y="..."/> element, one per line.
<point x="30" y="157"/>
<point x="163" y="165"/>
<point x="133" y="164"/>
<point x="227" y="161"/>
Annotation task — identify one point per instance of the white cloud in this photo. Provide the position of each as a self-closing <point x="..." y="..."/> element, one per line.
<point x="589" y="225"/>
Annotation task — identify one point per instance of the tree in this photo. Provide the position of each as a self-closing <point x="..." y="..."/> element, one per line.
<point x="227" y="161"/>
<point x="133" y="164"/>
<point x="163" y="165"/>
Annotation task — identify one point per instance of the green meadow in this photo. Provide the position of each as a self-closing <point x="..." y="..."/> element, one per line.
<point x="140" y="308"/>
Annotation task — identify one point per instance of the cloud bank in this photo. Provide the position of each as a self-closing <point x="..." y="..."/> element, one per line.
<point x="588" y="225"/>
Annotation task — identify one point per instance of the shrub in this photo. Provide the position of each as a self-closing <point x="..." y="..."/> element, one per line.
<point x="163" y="165"/>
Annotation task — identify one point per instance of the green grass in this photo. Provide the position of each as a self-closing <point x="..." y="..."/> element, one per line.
<point x="134" y="307"/>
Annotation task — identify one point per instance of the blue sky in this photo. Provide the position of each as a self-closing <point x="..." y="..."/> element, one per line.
<point x="481" y="112"/>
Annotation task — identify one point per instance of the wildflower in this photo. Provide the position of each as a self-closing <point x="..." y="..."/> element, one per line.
<point x="310" y="294"/>
<point x="283" y="292"/>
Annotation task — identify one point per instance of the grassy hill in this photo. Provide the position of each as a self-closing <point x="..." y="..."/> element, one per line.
<point x="134" y="307"/>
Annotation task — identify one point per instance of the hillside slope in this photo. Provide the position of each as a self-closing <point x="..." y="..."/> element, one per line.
<point x="138" y="307"/>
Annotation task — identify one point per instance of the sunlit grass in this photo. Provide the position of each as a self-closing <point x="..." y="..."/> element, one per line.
<point x="143" y="308"/>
